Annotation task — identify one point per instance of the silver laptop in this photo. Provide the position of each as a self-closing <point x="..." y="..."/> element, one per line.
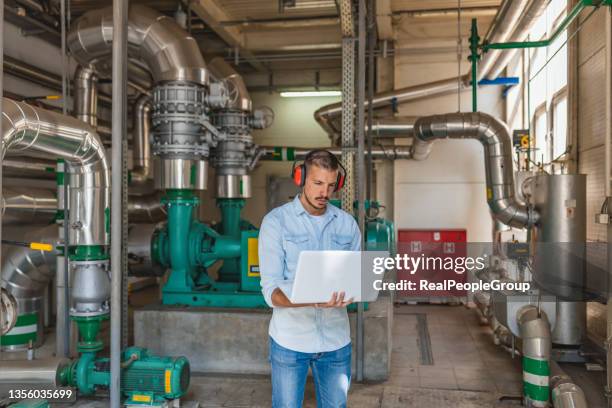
<point x="320" y="273"/>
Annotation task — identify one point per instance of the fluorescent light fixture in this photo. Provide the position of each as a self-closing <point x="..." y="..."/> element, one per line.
<point x="306" y="94"/>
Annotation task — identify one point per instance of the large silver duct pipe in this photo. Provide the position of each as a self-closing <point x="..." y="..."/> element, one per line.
<point x="26" y="274"/>
<point x="40" y="371"/>
<point x="31" y="130"/>
<point x="39" y="206"/>
<point x="27" y="205"/>
<point x="180" y="139"/>
<point x="497" y="143"/>
<point x="86" y="95"/>
<point x="535" y="335"/>
<point x="146" y="208"/>
<point x="169" y="51"/>
<point x="565" y="393"/>
<point x="532" y="13"/>
<point x="514" y="16"/>
<point x="142" y="171"/>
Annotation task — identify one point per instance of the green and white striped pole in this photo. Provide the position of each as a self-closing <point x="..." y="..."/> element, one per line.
<point x="535" y="334"/>
<point x="24" y="331"/>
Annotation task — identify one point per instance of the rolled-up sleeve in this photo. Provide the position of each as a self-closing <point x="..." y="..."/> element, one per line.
<point x="272" y="258"/>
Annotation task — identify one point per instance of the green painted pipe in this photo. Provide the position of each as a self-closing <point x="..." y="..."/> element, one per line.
<point x="571" y="16"/>
<point x="230" y="227"/>
<point x="179" y="206"/>
<point x="474" y="40"/>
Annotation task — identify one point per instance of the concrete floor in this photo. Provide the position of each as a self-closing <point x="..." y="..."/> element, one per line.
<point x="468" y="370"/>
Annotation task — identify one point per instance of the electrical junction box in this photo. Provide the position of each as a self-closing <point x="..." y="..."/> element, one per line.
<point x="249" y="262"/>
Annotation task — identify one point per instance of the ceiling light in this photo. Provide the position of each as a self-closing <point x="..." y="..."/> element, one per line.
<point x="306" y="94"/>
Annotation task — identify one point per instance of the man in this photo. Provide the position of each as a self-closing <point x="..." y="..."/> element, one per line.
<point x="307" y="335"/>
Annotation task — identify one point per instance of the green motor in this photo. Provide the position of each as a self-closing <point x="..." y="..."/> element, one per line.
<point x="157" y="377"/>
<point x="145" y="379"/>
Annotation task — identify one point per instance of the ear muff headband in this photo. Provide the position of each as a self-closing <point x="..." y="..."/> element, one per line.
<point x="298" y="172"/>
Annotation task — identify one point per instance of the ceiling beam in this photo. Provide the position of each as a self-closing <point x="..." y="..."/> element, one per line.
<point x="214" y="16"/>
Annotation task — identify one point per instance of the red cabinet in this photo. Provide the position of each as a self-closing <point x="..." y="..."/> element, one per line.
<point x="441" y="253"/>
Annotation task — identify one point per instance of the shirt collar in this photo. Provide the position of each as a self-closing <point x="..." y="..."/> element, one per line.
<point x="299" y="208"/>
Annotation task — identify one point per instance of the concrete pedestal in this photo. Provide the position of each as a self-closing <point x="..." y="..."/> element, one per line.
<point x="236" y="341"/>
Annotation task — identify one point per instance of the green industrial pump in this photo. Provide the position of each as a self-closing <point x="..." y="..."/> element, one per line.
<point x="189" y="248"/>
<point x="145" y="379"/>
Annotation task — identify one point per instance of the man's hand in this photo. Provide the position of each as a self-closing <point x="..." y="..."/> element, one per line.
<point x="337" y="300"/>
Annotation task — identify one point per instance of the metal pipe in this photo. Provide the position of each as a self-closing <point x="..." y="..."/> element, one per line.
<point x="119" y="35"/>
<point x="40" y="371"/>
<point x="86" y="95"/>
<point x="532" y="13"/>
<point x="277" y="153"/>
<point x="534" y="329"/>
<point x="142" y="171"/>
<point x="27" y="272"/>
<point x="146" y="208"/>
<point x="38" y="205"/>
<point x="496" y="140"/>
<point x="27" y="205"/>
<point x="565" y="393"/>
<point x="169" y="51"/>
<point x="27" y="129"/>
<point x="507" y="14"/>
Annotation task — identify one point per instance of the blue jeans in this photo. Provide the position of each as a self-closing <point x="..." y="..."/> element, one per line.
<point x="331" y="372"/>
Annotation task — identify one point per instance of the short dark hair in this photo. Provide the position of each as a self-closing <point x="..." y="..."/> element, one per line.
<point x="321" y="158"/>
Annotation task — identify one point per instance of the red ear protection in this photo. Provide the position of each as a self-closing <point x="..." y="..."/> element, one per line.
<point x="298" y="173"/>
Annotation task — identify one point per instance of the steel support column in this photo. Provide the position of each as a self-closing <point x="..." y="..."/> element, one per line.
<point x="119" y="129"/>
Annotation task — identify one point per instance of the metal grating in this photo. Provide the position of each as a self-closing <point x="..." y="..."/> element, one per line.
<point x="346" y="19"/>
<point x="348" y="122"/>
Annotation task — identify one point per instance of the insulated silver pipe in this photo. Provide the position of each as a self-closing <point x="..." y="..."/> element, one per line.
<point x="27" y="205"/>
<point x="86" y="95"/>
<point x="143" y="168"/>
<point x="27" y="272"/>
<point x="28" y="129"/>
<point x="39" y="206"/>
<point x="327" y="113"/>
<point x="513" y="16"/>
<point x="534" y="329"/>
<point x="532" y="13"/>
<point x="146" y="208"/>
<point x="565" y="393"/>
<point x="271" y="153"/>
<point x="506" y="20"/>
<point x="40" y="371"/>
<point x="496" y="140"/>
<point x="169" y="51"/>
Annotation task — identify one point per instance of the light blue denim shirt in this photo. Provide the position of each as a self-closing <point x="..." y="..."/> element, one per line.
<point x="285" y="232"/>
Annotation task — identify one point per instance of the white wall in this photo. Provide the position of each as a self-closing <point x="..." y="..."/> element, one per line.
<point x="448" y="189"/>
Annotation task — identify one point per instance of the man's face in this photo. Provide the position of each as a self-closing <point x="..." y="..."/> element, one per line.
<point x="319" y="186"/>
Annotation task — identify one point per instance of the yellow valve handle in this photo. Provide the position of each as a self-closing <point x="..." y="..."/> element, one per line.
<point x="41" y="246"/>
